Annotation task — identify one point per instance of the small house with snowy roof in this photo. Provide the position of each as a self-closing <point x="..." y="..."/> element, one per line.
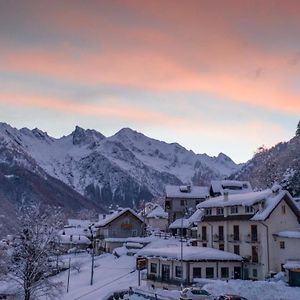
<point x="183" y="198"/>
<point x="157" y="218"/>
<point x="172" y="266"/>
<point x="123" y="223"/>
<point x="246" y="224"/>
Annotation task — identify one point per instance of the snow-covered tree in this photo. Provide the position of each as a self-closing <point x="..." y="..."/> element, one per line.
<point x="31" y="263"/>
<point x="298" y="129"/>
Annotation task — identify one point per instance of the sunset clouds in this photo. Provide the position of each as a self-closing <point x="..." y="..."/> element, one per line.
<point x="143" y="62"/>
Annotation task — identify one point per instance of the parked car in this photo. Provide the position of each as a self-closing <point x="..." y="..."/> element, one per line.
<point x="231" y="297"/>
<point x="193" y="293"/>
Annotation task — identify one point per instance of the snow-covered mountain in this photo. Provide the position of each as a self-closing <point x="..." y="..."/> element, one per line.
<point x="121" y="169"/>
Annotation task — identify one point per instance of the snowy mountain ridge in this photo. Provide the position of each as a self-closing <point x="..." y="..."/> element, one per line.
<point x="120" y="169"/>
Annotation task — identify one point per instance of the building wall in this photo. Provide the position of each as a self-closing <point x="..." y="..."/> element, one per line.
<point x="277" y="222"/>
<point x="117" y="228"/>
<point x="188" y="271"/>
<point x="270" y="257"/>
<point x="177" y="210"/>
<point x="159" y="223"/>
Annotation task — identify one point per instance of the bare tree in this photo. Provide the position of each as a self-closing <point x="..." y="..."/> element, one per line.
<point x="31" y="262"/>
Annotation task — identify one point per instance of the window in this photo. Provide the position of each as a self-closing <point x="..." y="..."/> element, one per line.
<point x="249" y="209"/>
<point x="236" y="249"/>
<point x="254" y="233"/>
<point x="197" y="202"/>
<point x="234" y="210"/>
<point x="182" y="203"/>
<point x="221" y="233"/>
<point x="134" y="232"/>
<point x="209" y="272"/>
<point x="221" y="247"/>
<point x="254" y="254"/>
<point x="178" y="271"/>
<point x="236" y="232"/>
<point x="220" y="211"/>
<point x="204" y="236"/>
<point x="196" y="272"/>
<point x="224" y="272"/>
<point x="153" y="268"/>
<point x="254" y="272"/>
<point x="167" y="204"/>
<point x="282" y="245"/>
<point x="208" y="211"/>
<point x="283" y="209"/>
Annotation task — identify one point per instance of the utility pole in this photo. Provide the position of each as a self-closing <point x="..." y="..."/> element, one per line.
<point x="181" y="244"/>
<point x="68" y="283"/>
<point x="93" y="255"/>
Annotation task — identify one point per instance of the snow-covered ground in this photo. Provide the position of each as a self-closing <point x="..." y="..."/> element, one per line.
<point x="110" y="274"/>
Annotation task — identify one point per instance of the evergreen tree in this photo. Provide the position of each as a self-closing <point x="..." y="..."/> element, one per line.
<point x="298" y="129"/>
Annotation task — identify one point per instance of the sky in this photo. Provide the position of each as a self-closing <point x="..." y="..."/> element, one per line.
<point x="214" y="76"/>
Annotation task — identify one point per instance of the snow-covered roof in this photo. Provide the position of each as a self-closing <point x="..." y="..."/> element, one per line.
<point x="79" y="223"/>
<point x="187" y="222"/>
<point x="73" y="239"/>
<point x="190" y="254"/>
<point x="292" y="264"/>
<point x="158" y="213"/>
<point x="269" y="197"/>
<point x="194" y="192"/>
<point x="232" y="186"/>
<point x="246" y="199"/>
<point x="115" y="215"/>
<point x="293" y="234"/>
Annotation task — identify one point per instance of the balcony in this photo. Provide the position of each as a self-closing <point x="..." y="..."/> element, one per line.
<point x="218" y="238"/>
<point x="252" y="238"/>
<point x="233" y="238"/>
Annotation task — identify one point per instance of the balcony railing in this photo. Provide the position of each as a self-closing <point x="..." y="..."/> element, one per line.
<point x="252" y="238"/>
<point x="234" y="238"/>
<point x="218" y="238"/>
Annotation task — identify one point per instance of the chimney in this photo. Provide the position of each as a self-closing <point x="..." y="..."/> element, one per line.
<point x="225" y="194"/>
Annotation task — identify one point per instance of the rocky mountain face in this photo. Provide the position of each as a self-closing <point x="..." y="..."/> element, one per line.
<point x="280" y="164"/>
<point x="122" y="169"/>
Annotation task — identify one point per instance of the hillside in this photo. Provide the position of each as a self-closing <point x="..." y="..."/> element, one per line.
<point x="280" y="163"/>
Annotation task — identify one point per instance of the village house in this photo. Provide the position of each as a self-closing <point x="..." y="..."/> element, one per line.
<point x="113" y="229"/>
<point x="251" y="225"/>
<point x="218" y="187"/>
<point x="157" y="218"/>
<point x="183" y="198"/>
<point x="167" y="268"/>
<point x="186" y="227"/>
<point x="73" y="242"/>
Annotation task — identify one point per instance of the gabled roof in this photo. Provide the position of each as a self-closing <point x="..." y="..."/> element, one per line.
<point x="109" y="218"/>
<point x="195" y="192"/>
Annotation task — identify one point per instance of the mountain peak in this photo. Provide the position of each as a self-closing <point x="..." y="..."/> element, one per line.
<point x="86" y="136"/>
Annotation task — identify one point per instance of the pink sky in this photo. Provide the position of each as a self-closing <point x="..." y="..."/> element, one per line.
<point x="140" y="63"/>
